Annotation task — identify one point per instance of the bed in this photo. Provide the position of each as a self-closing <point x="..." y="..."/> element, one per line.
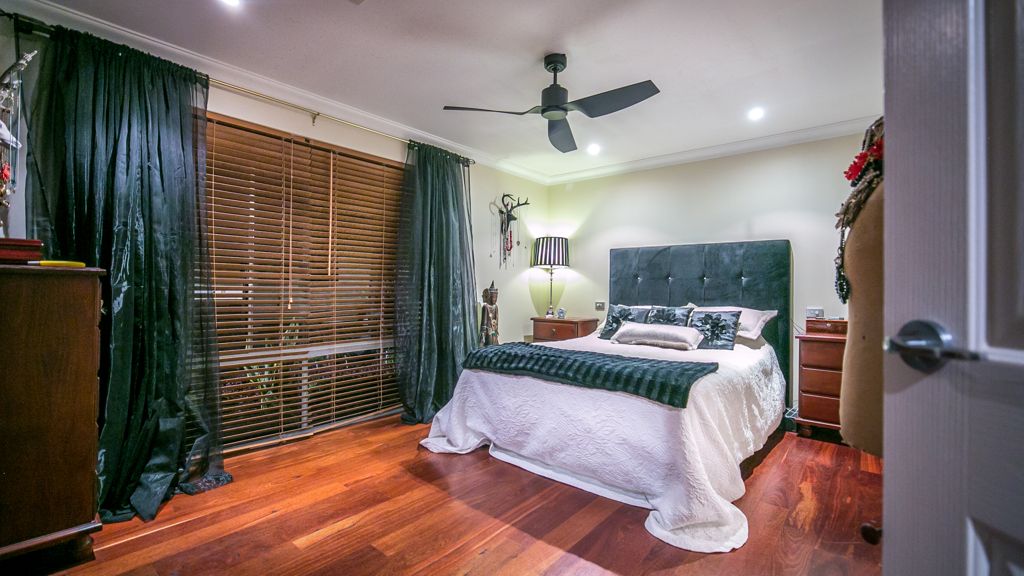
<point x="681" y="463"/>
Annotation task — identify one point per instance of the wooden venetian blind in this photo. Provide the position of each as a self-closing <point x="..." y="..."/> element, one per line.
<point x="303" y="254"/>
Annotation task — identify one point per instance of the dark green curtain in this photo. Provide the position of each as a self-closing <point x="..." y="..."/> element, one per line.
<point x="117" y="163"/>
<point x="435" y="305"/>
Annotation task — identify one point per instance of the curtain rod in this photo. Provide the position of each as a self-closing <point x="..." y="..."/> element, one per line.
<point x="313" y="113"/>
<point x="253" y="93"/>
<point x="310" y="111"/>
<point x="33" y="26"/>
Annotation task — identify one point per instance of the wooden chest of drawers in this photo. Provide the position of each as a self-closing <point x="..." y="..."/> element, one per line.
<point x="49" y="398"/>
<point x="551" y="329"/>
<point x="821" y="374"/>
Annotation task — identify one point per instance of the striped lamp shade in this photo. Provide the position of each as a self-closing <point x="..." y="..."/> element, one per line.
<point x="550" y="252"/>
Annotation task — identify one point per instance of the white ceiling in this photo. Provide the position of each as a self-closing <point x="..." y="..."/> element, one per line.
<point x="809" y="63"/>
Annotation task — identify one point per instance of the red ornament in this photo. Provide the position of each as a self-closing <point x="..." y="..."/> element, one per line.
<point x="854" y="170"/>
<point x="860" y="161"/>
<point x="877" y="149"/>
<point x="5" y="173"/>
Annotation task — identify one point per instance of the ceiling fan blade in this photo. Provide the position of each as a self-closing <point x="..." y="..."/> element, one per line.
<point x="534" y="110"/>
<point x="614" y="100"/>
<point x="561" y="135"/>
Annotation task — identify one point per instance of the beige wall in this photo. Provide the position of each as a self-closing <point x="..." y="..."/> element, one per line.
<point x="522" y="291"/>
<point x="790" y="193"/>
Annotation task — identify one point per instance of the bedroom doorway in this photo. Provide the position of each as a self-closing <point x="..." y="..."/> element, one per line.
<point x="954" y="241"/>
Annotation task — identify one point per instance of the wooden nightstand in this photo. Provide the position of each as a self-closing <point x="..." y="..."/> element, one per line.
<point x="551" y="329"/>
<point x="821" y="374"/>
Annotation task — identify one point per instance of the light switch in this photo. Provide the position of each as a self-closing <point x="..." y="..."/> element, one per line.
<point x="599" y="305"/>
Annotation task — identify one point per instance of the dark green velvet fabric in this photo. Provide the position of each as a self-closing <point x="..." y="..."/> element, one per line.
<point x="435" y="294"/>
<point x="664" y="381"/>
<point x="754" y="274"/>
<point x="672" y="315"/>
<point x="618" y="314"/>
<point x="719" y="329"/>
<point x="116" y="172"/>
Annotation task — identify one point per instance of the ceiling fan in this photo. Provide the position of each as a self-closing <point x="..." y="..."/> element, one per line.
<point x="555" y="105"/>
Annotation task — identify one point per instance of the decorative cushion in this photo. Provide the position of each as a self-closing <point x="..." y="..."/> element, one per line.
<point x="675" y="315"/>
<point x="718" y="328"/>
<point x="617" y="314"/>
<point x="752" y="322"/>
<point x="660" y="335"/>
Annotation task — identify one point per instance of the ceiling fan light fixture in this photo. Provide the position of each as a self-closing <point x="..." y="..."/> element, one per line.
<point x="552" y="102"/>
<point x="755" y="114"/>
<point x="555" y="104"/>
<point x="232" y="3"/>
<point x="594" y="149"/>
<point x="554" y="113"/>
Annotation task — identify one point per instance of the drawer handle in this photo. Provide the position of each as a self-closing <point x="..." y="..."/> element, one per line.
<point x="552" y="331"/>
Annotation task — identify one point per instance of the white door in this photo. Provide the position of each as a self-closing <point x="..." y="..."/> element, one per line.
<point x="954" y="255"/>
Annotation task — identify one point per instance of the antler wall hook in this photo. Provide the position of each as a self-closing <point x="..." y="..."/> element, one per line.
<point x="507" y="215"/>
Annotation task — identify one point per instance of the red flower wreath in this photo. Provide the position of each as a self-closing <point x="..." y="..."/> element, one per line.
<point x="872" y="154"/>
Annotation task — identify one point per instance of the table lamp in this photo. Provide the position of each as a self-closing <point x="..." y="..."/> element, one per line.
<point x="550" y="252"/>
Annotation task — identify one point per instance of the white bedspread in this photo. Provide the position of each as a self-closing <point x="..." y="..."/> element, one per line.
<point x="682" y="464"/>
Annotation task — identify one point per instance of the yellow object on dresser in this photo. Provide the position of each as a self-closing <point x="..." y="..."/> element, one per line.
<point x="60" y="263"/>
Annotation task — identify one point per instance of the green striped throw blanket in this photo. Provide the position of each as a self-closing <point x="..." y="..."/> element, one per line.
<point x="664" y="381"/>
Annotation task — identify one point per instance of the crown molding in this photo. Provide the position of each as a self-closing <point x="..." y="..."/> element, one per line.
<point x="835" y="130"/>
<point x="53" y="13"/>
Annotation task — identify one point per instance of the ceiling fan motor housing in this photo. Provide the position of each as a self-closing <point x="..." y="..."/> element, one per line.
<point x="554" y="63"/>
<point x="552" y="102"/>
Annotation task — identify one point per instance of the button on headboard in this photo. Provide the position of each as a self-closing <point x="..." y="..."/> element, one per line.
<point x="750" y="274"/>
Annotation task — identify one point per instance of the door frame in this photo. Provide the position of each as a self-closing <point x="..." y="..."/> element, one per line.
<point x="977" y="192"/>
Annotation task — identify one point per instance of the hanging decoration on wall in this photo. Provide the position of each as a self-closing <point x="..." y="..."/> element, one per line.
<point x="10" y="99"/>
<point x="508" y="227"/>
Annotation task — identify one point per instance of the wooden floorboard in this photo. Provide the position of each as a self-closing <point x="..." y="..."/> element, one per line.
<point x="369" y="500"/>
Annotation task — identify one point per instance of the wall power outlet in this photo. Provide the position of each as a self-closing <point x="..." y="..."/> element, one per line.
<point x="599" y="305"/>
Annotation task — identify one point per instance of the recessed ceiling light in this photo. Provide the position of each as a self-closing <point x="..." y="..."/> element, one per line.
<point x="232" y="3"/>
<point x="594" y="149"/>
<point x="755" y="113"/>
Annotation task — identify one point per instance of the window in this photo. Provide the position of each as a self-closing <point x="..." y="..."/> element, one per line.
<point x="302" y="237"/>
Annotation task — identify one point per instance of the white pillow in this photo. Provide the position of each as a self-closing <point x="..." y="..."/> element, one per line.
<point x="751" y="321"/>
<point x="660" y="335"/>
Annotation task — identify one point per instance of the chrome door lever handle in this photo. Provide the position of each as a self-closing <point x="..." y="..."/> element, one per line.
<point x="897" y="345"/>
<point x="926" y="346"/>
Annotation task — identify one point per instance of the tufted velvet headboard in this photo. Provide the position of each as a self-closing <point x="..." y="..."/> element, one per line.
<point x="750" y="274"/>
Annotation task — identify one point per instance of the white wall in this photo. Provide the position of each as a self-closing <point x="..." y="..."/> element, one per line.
<point x="295" y="122"/>
<point x="522" y="291"/>
<point x="784" y="193"/>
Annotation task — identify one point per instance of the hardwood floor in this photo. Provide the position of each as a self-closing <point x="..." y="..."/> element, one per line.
<point x="369" y="500"/>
